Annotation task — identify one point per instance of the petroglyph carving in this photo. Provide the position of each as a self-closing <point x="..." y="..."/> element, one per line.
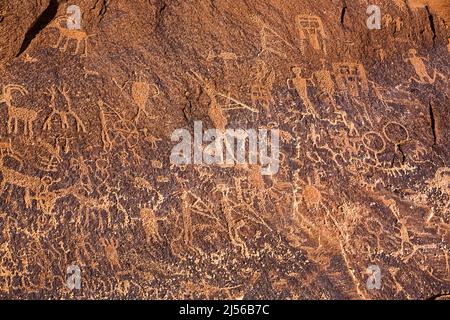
<point x="419" y="67"/>
<point x="396" y="133"/>
<point x="85" y="181"/>
<point x="374" y="142"/>
<point x="110" y="247"/>
<point x="6" y="147"/>
<point x="311" y="30"/>
<point x="324" y="82"/>
<point x="106" y="139"/>
<point x="261" y="89"/>
<point x="150" y="224"/>
<point x="232" y="224"/>
<point x="351" y="78"/>
<point x="348" y="193"/>
<point x="51" y="159"/>
<point x="271" y="41"/>
<point x="388" y="19"/>
<point x="216" y="110"/>
<point x="65" y="34"/>
<point x="16" y="114"/>
<point x="225" y="56"/>
<point x="140" y="91"/>
<point x="150" y="139"/>
<point x="441" y="181"/>
<point x="301" y="86"/>
<point x="311" y="191"/>
<point x="63" y="115"/>
<point x="28" y="183"/>
<point x="394" y="96"/>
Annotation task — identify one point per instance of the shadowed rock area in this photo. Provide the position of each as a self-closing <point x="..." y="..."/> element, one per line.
<point x="357" y="208"/>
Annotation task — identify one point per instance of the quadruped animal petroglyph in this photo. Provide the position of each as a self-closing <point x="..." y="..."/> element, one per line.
<point x="16" y="115"/>
<point x="66" y="36"/>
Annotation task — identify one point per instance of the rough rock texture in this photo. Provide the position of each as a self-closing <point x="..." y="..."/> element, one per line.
<point x="85" y="141"/>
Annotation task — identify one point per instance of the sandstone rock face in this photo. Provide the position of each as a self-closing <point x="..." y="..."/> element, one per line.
<point x="91" y="205"/>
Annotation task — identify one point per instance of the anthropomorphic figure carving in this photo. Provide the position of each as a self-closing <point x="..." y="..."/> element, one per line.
<point x="311" y="30"/>
<point x="419" y="67"/>
<point x="301" y="86"/>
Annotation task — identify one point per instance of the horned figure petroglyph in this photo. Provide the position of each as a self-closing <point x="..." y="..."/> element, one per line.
<point x="70" y="34"/>
<point x="16" y="114"/>
<point x="63" y="115"/>
<point x="419" y="67"/>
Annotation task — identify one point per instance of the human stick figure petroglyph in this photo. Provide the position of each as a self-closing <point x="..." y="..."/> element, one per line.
<point x="52" y="158"/>
<point x="70" y="34"/>
<point x="16" y="114"/>
<point x="63" y="115"/>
